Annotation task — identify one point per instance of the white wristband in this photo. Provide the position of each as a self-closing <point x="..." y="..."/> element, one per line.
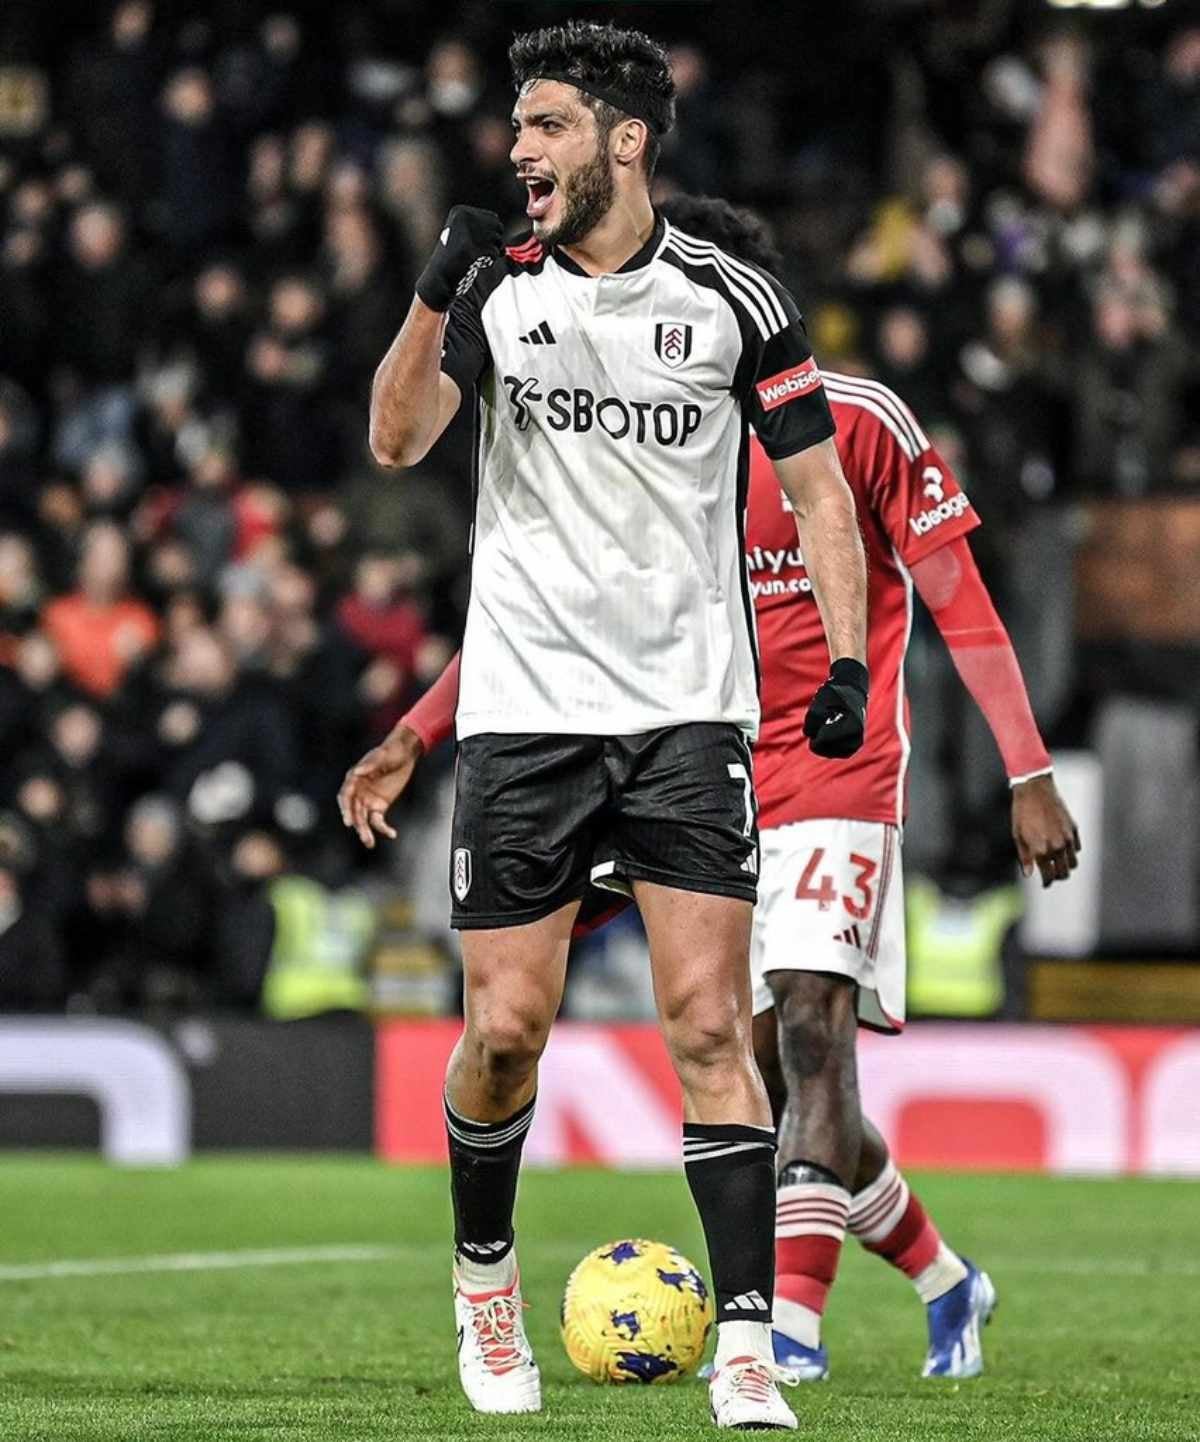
<point x="1029" y="776"/>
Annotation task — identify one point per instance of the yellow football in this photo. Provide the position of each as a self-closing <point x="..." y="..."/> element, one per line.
<point x="635" y="1311"/>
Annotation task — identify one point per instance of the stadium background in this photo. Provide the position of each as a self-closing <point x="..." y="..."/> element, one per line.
<point x="211" y="602"/>
<point x="211" y="215"/>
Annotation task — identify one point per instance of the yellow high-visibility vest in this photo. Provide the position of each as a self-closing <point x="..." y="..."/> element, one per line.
<point x="954" y="949"/>
<point x="321" y="941"/>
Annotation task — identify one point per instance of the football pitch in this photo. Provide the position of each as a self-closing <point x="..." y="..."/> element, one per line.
<point x="257" y="1299"/>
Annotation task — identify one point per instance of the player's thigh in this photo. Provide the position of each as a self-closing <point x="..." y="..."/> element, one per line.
<point x="524" y="829"/>
<point x="821" y="902"/>
<point x="684" y="813"/>
<point x="513" y="979"/>
<point x="698" y="946"/>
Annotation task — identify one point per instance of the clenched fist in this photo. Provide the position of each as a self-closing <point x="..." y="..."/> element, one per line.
<point x="469" y="235"/>
<point x="836" y="720"/>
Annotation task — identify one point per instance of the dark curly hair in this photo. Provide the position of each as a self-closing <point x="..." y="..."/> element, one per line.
<point x="742" y="233"/>
<point x="625" y="64"/>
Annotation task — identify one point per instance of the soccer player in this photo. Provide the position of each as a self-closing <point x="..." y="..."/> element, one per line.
<point x="608" y="686"/>
<point x="828" y="939"/>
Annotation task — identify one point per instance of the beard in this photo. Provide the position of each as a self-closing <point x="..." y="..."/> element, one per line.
<point x="587" y="197"/>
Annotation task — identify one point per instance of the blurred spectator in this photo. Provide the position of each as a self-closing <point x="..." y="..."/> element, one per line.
<point x="228" y="743"/>
<point x="18" y="448"/>
<point x="110" y="100"/>
<point x="1128" y="390"/>
<point x="218" y="328"/>
<point x="288" y="435"/>
<point x="1059" y="158"/>
<point x="380" y="617"/>
<point x="198" y="188"/>
<point x="33" y="972"/>
<point x="154" y="905"/>
<point x="1172" y="130"/>
<point x="1009" y="406"/>
<point x="245" y="918"/>
<point x="24" y="288"/>
<point x="365" y="303"/>
<point x="101" y="310"/>
<point x="20" y="592"/>
<point x="322" y="672"/>
<point x="100" y="630"/>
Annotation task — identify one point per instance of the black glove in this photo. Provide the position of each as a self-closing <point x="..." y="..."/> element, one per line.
<point x="837" y="714"/>
<point x="468" y="235"/>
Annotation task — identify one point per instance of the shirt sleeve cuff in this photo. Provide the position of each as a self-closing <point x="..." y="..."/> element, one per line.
<point x="1047" y="770"/>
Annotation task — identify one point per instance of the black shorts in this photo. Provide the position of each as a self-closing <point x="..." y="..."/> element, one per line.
<point x="538" y="817"/>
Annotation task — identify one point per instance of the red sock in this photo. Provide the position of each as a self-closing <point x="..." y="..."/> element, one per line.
<point x="810" y="1226"/>
<point x="889" y="1220"/>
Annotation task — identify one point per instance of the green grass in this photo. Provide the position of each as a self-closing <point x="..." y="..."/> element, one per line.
<point x="1098" y="1333"/>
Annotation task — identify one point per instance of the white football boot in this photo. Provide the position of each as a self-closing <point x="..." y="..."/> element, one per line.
<point x="495" y="1361"/>
<point x="745" y="1395"/>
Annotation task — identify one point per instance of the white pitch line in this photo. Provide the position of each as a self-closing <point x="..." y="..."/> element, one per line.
<point x="359" y="1252"/>
<point x="197" y="1262"/>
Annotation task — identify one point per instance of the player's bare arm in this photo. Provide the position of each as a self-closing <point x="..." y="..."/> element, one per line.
<point x="827" y="524"/>
<point x="952" y="588"/>
<point x="412" y="399"/>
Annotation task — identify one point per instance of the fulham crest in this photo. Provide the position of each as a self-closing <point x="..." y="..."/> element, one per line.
<point x="461" y="873"/>
<point x="672" y="342"/>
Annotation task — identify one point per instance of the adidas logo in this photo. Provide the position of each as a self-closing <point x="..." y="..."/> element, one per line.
<point x="850" y="936"/>
<point x="747" y="1301"/>
<point x="482" y="1249"/>
<point x="539" y="335"/>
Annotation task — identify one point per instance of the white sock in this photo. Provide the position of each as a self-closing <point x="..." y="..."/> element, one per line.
<point x="478" y="1276"/>
<point x="945" y="1271"/>
<point x="743" y="1339"/>
<point x="798" y="1322"/>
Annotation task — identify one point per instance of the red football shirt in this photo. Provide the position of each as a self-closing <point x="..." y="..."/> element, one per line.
<point x="909" y="503"/>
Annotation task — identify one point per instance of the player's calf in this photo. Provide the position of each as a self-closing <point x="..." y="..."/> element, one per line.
<point x="698" y="944"/>
<point x="818" y="1138"/>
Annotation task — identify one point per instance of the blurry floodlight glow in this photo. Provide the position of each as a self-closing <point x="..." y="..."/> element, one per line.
<point x="1104" y="4"/>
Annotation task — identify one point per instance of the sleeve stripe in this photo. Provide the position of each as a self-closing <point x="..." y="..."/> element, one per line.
<point x="754" y="281"/>
<point x="835" y="392"/>
<point x="751" y="306"/>
<point x="769" y="315"/>
<point x="731" y="265"/>
<point x="890" y="401"/>
<point x="901" y="408"/>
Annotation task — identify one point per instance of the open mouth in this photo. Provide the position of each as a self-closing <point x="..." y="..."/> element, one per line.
<point x="541" y="193"/>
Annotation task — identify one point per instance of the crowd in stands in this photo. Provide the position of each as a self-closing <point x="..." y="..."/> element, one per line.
<point x="211" y="216"/>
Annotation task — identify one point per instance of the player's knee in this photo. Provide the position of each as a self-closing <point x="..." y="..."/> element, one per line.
<point x="816" y="1021"/>
<point x="508" y="1040"/>
<point x="703" y="1036"/>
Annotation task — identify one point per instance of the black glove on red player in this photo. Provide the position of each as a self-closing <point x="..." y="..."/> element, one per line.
<point x="837" y="714"/>
<point x="469" y="235"/>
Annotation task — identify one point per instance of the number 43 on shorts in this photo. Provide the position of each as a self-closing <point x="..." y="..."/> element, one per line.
<point x="822" y="890"/>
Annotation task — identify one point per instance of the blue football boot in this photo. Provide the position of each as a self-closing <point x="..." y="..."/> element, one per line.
<point x="806" y="1364"/>
<point x="803" y="1364"/>
<point x="955" y="1321"/>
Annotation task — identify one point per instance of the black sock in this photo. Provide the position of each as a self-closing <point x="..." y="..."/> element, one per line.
<point x="731" y="1171"/>
<point x="485" y="1158"/>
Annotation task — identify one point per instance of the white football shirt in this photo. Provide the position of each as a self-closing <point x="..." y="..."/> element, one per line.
<point x="608" y="579"/>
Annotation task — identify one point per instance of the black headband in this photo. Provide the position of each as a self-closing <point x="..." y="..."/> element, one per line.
<point x="618" y="99"/>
